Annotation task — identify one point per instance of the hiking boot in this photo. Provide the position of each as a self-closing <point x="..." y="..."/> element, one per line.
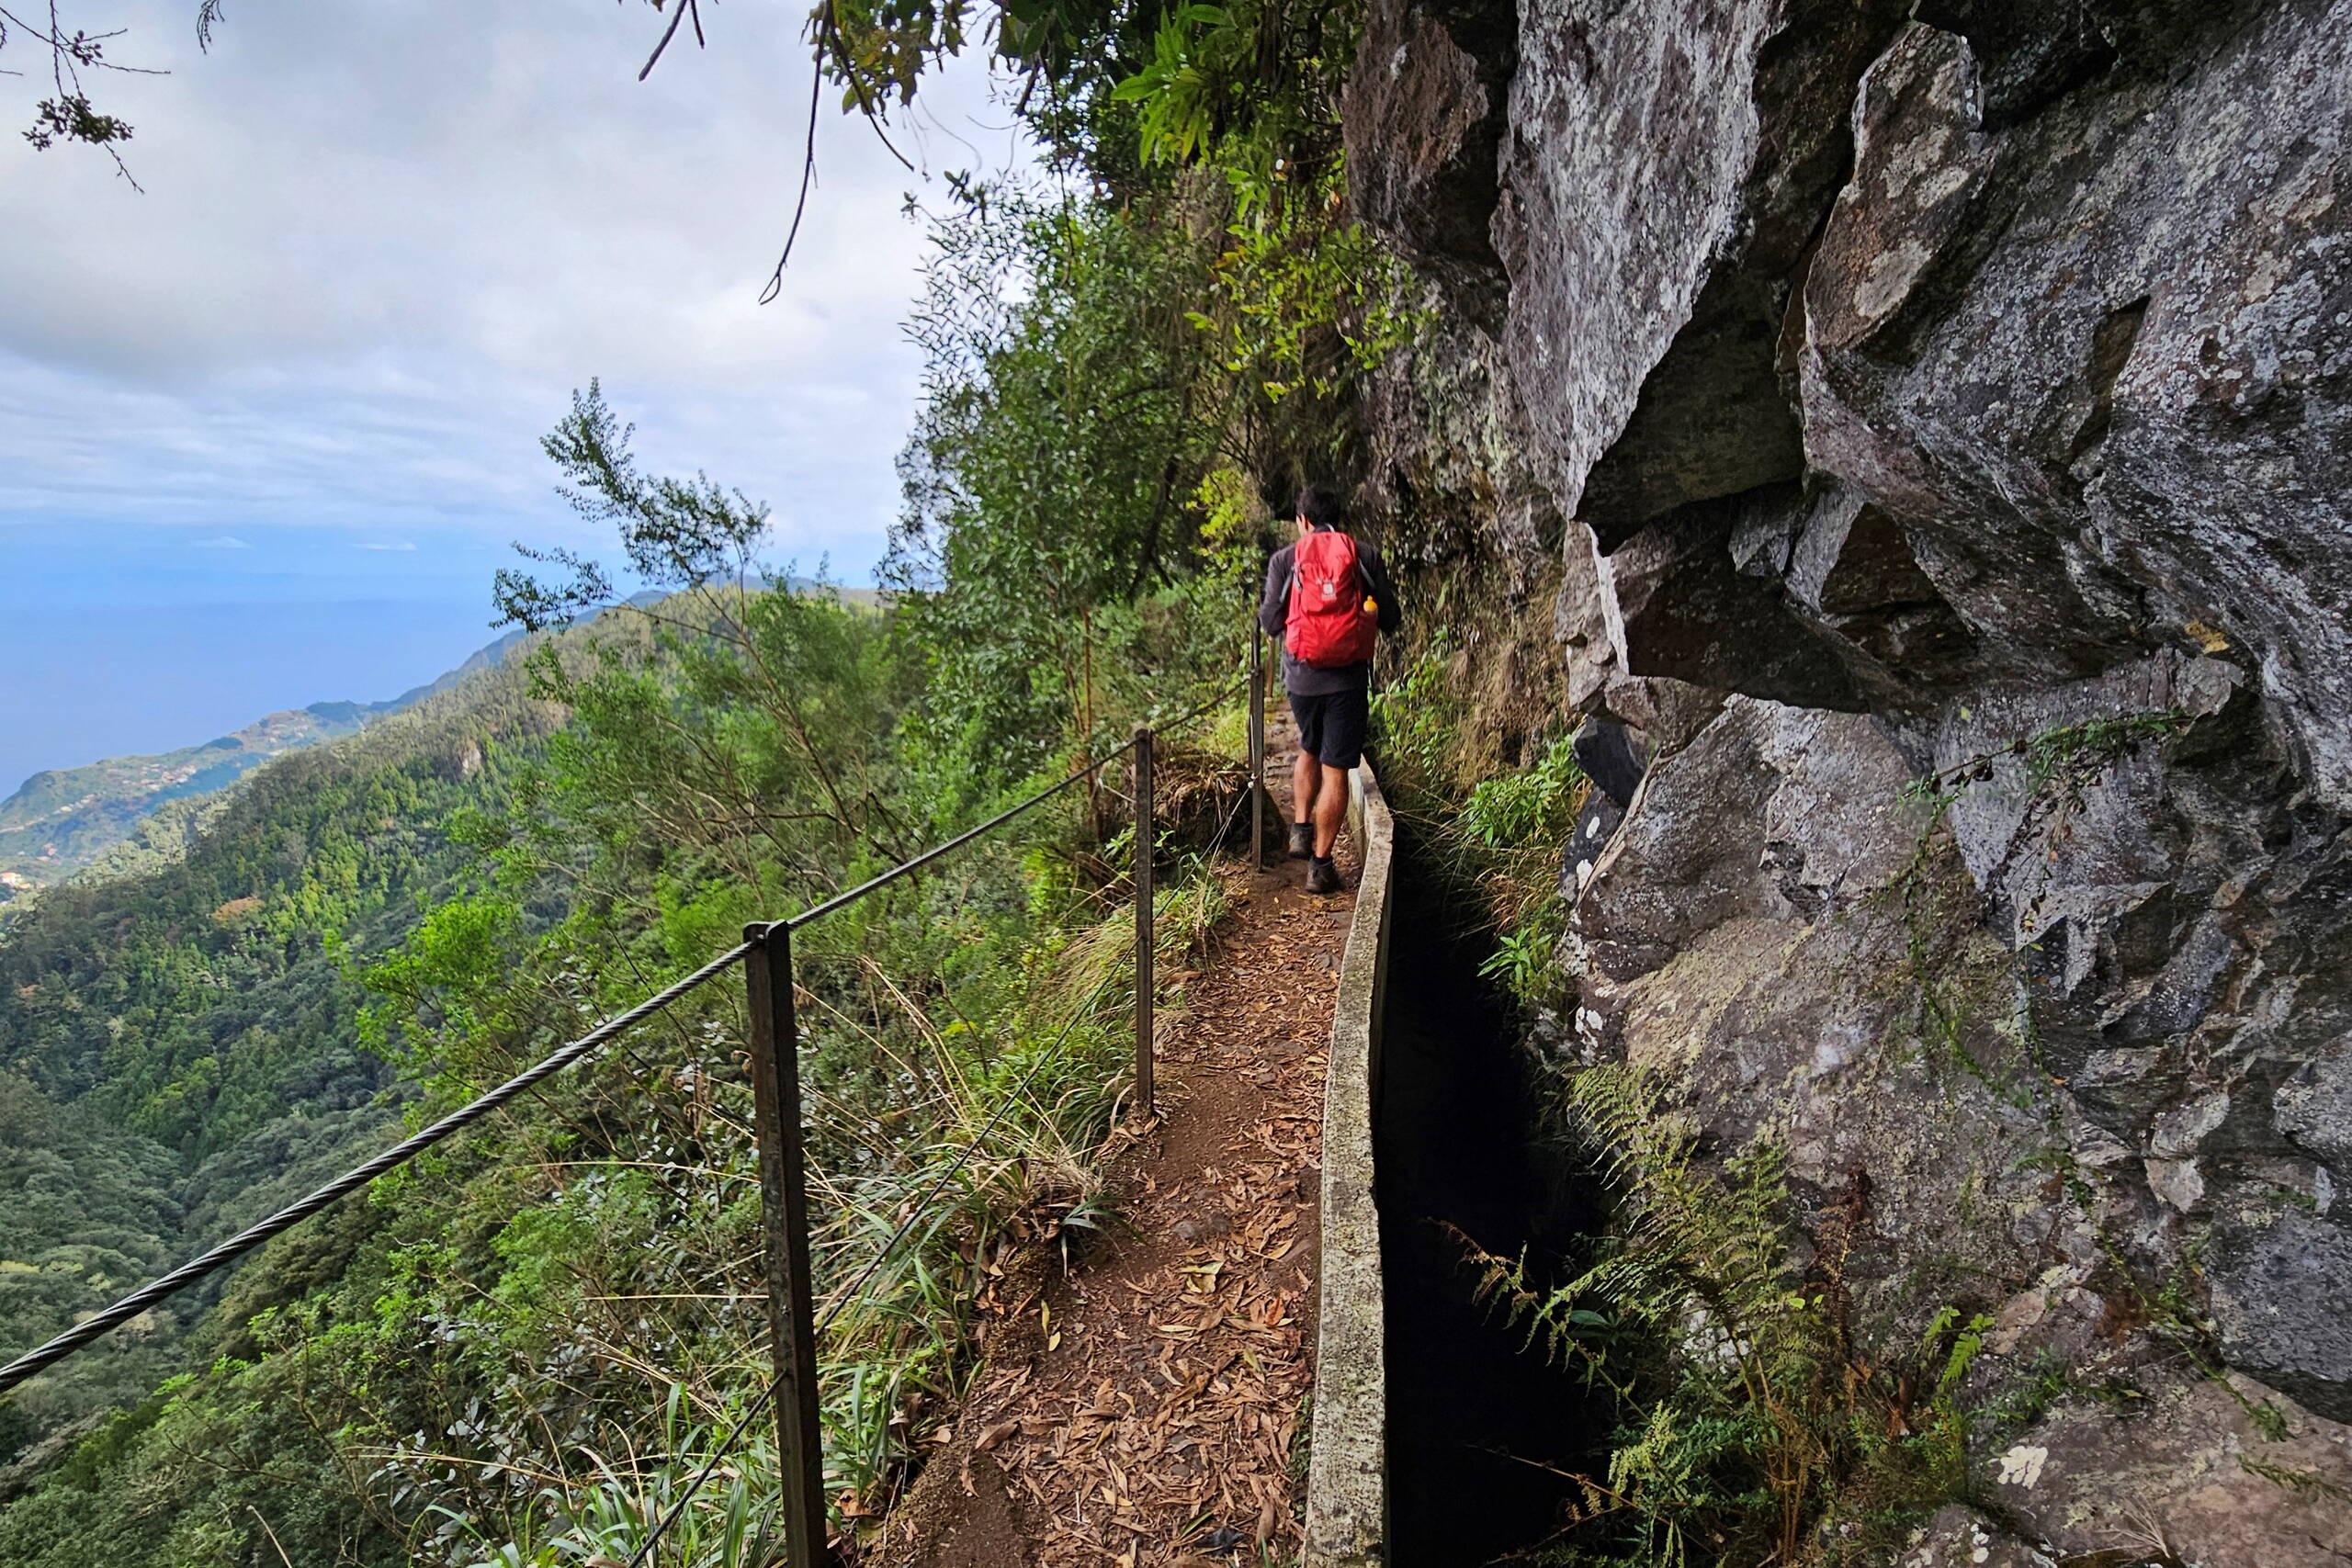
<point x="1302" y="841"/>
<point x="1323" y="875"/>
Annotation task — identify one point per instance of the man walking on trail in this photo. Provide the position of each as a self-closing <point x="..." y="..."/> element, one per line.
<point x="1326" y="595"/>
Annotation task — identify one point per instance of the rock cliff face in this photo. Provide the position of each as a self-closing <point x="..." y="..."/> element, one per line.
<point x="1955" y="391"/>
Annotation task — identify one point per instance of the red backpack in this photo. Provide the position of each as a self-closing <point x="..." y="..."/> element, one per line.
<point x="1328" y="626"/>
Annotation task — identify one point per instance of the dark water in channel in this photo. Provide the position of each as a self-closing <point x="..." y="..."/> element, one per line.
<point x="1474" y="1417"/>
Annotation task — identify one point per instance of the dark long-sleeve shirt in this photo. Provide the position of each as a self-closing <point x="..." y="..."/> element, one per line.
<point x="1273" y="614"/>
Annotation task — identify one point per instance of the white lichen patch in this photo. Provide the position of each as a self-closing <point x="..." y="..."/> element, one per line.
<point x="2021" y="1466"/>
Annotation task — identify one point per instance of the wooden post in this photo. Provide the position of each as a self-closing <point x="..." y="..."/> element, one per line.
<point x="784" y="1206"/>
<point x="1145" y="843"/>
<point x="1257" y="748"/>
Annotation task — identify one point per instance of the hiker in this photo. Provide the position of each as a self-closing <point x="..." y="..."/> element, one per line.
<point x="1326" y="595"/>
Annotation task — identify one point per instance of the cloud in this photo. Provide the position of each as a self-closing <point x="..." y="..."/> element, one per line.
<point x="383" y="544"/>
<point x="381" y="245"/>
<point x="223" y="542"/>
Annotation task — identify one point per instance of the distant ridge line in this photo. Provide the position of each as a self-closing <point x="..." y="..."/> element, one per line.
<point x="59" y="821"/>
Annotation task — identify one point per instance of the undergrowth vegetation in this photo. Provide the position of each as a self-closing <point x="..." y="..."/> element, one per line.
<point x="521" y="1349"/>
<point x="1752" y="1426"/>
<point x="1500" y="838"/>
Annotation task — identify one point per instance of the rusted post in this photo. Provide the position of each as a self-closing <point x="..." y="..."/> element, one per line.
<point x="1257" y="748"/>
<point x="784" y="1206"/>
<point x="1145" y="837"/>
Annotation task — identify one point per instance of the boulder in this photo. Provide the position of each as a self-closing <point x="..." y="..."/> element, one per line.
<point x="2094" y="362"/>
<point x="2279" y="1301"/>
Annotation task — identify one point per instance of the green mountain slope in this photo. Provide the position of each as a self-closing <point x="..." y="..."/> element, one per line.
<point x="86" y="1212"/>
<point x="179" y="1047"/>
<point x="420" y="1375"/>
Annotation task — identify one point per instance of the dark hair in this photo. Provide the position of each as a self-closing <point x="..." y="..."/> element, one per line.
<point x="1321" y="507"/>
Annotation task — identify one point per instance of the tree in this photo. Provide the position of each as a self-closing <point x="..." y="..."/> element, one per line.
<point x="67" y="114"/>
<point x="1052" y="464"/>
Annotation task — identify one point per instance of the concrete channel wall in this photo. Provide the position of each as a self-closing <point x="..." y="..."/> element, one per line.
<point x="1347" y="1467"/>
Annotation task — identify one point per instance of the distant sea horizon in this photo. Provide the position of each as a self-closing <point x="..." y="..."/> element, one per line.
<point x="123" y="639"/>
<point x="84" y="681"/>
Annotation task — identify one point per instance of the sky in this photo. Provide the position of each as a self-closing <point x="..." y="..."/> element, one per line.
<point x="266" y="429"/>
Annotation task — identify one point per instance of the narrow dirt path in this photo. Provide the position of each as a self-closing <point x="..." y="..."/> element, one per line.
<point x="1146" y="1411"/>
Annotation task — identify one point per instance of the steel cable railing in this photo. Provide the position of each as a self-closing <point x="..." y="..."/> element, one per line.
<point x="775" y="1083"/>
<point x="842" y="900"/>
<point x="774" y="1060"/>
<point x="849" y="1294"/>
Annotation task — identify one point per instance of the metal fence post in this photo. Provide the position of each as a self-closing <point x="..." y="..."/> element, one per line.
<point x="1145" y="843"/>
<point x="1257" y="748"/>
<point x="784" y="1204"/>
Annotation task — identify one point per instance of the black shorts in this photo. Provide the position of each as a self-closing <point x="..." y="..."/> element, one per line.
<point x="1331" y="728"/>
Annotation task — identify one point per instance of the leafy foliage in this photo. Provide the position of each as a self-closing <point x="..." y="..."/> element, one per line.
<point x="1523" y="956"/>
<point x="177" y="1049"/>
<point x="679" y="534"/>
<point x="1501" y="843"/>
<point x="1753" y="1428"/>
<point x="1121" y="384"/>
<point x="1046" y="477"/>
<point x="1419" y="716"/>
<point x="179" y="1002"/>
<point x="1535" y="808"/>
<point x="86" y="1210"/>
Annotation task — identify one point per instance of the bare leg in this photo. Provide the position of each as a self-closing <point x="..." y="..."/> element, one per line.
<point x="1304" y="775"/>
<point x="1331" y="809"/>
